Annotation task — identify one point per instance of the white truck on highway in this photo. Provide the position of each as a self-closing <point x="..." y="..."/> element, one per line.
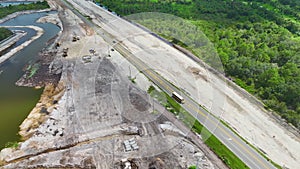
<point x="177" y="97"/>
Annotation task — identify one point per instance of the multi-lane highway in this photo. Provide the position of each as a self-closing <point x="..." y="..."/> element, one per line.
<point x="249" y="156"/>
<point x="245" y="152"/>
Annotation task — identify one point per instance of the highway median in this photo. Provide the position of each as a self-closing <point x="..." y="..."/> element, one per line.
<point x="209" y="139"/>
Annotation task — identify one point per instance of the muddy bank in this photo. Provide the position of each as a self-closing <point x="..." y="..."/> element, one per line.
<point x="39" y="114"/>
<point x="44" y="72"/>
<point x="51" y="94"/>
<point x="47" y="70"/>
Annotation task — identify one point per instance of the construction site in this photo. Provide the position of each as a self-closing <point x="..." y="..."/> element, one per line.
<point x="94" y="116"/>
<point x="96" y="110"/>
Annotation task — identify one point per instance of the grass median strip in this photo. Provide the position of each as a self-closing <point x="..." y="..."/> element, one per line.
<point x="230" y="159"/>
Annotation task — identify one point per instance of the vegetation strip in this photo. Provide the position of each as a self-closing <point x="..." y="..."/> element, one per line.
<point x="4" y="11"/>
<point x="211" y="141"/>
<point x="4" y="33"/>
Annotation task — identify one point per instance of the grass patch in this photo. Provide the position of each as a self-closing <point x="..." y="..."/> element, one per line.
<point x="5" y="33"/>
<point x="132" y="79"/>
<point x="32" y="70"/>
<point x="228" y="157"/>
<point x="13" y="144"/>
<point x="257" y="150"/>
<point x="193" y="167"/>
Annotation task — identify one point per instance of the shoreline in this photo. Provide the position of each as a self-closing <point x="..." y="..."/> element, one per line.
<point x="9" y="54"/>
<point x="48" y="89"/>
<point x="13" y="15"/>
<point x="10" y="41"/>
<point x="39" y="31"/>
<point x="47" y="103"/>
<point x="51" y="93"/>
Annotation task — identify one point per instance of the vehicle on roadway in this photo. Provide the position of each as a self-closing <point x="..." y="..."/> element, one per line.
<point x="178" y="98"/>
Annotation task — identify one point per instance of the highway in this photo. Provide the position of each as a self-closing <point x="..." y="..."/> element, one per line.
<point x="245" y="152"/>
<point x="248" y="155"/>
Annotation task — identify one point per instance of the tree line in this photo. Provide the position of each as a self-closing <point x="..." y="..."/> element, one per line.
<point x="4" y="11"/>
<point x="258" y="42"/>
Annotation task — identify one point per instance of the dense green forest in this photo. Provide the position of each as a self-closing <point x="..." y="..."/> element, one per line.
<point x="4" y="33"/>
<point x="4" y="11"/>
<point x="258" y="42"/>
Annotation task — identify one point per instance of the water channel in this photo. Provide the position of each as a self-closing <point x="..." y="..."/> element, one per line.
<point x="4" y="4"/>
<point x="16" y="102"/>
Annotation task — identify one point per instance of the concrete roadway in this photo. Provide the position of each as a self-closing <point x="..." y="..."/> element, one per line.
<point x="247" y="154"/>
<point x="242" y="150"/>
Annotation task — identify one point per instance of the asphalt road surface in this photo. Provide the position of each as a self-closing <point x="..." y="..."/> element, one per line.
<point x="246" y="153"/>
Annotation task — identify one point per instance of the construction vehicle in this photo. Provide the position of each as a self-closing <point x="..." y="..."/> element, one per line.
<point x="65" y="52"/>
<point x="92" y="51"/>
<point x="87" y="58"/>
<point x="57" y="45"/>
<point x="75" y="37"/>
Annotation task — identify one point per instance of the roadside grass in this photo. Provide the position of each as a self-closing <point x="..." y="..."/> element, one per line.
<point x="132" y="79"/>
<point x="230" y="159"/>
<point x="249" y="88"/>
<point x="255" y="148"/>
<point x="211" y="141"/>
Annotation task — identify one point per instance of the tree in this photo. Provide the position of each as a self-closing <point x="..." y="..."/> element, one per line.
<point x="269" y="78"/>
<point x="4" y="33"/>
<point x="193" y="167"/>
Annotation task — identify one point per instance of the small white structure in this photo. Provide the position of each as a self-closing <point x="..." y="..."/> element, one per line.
<point x="130" y="145"/>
